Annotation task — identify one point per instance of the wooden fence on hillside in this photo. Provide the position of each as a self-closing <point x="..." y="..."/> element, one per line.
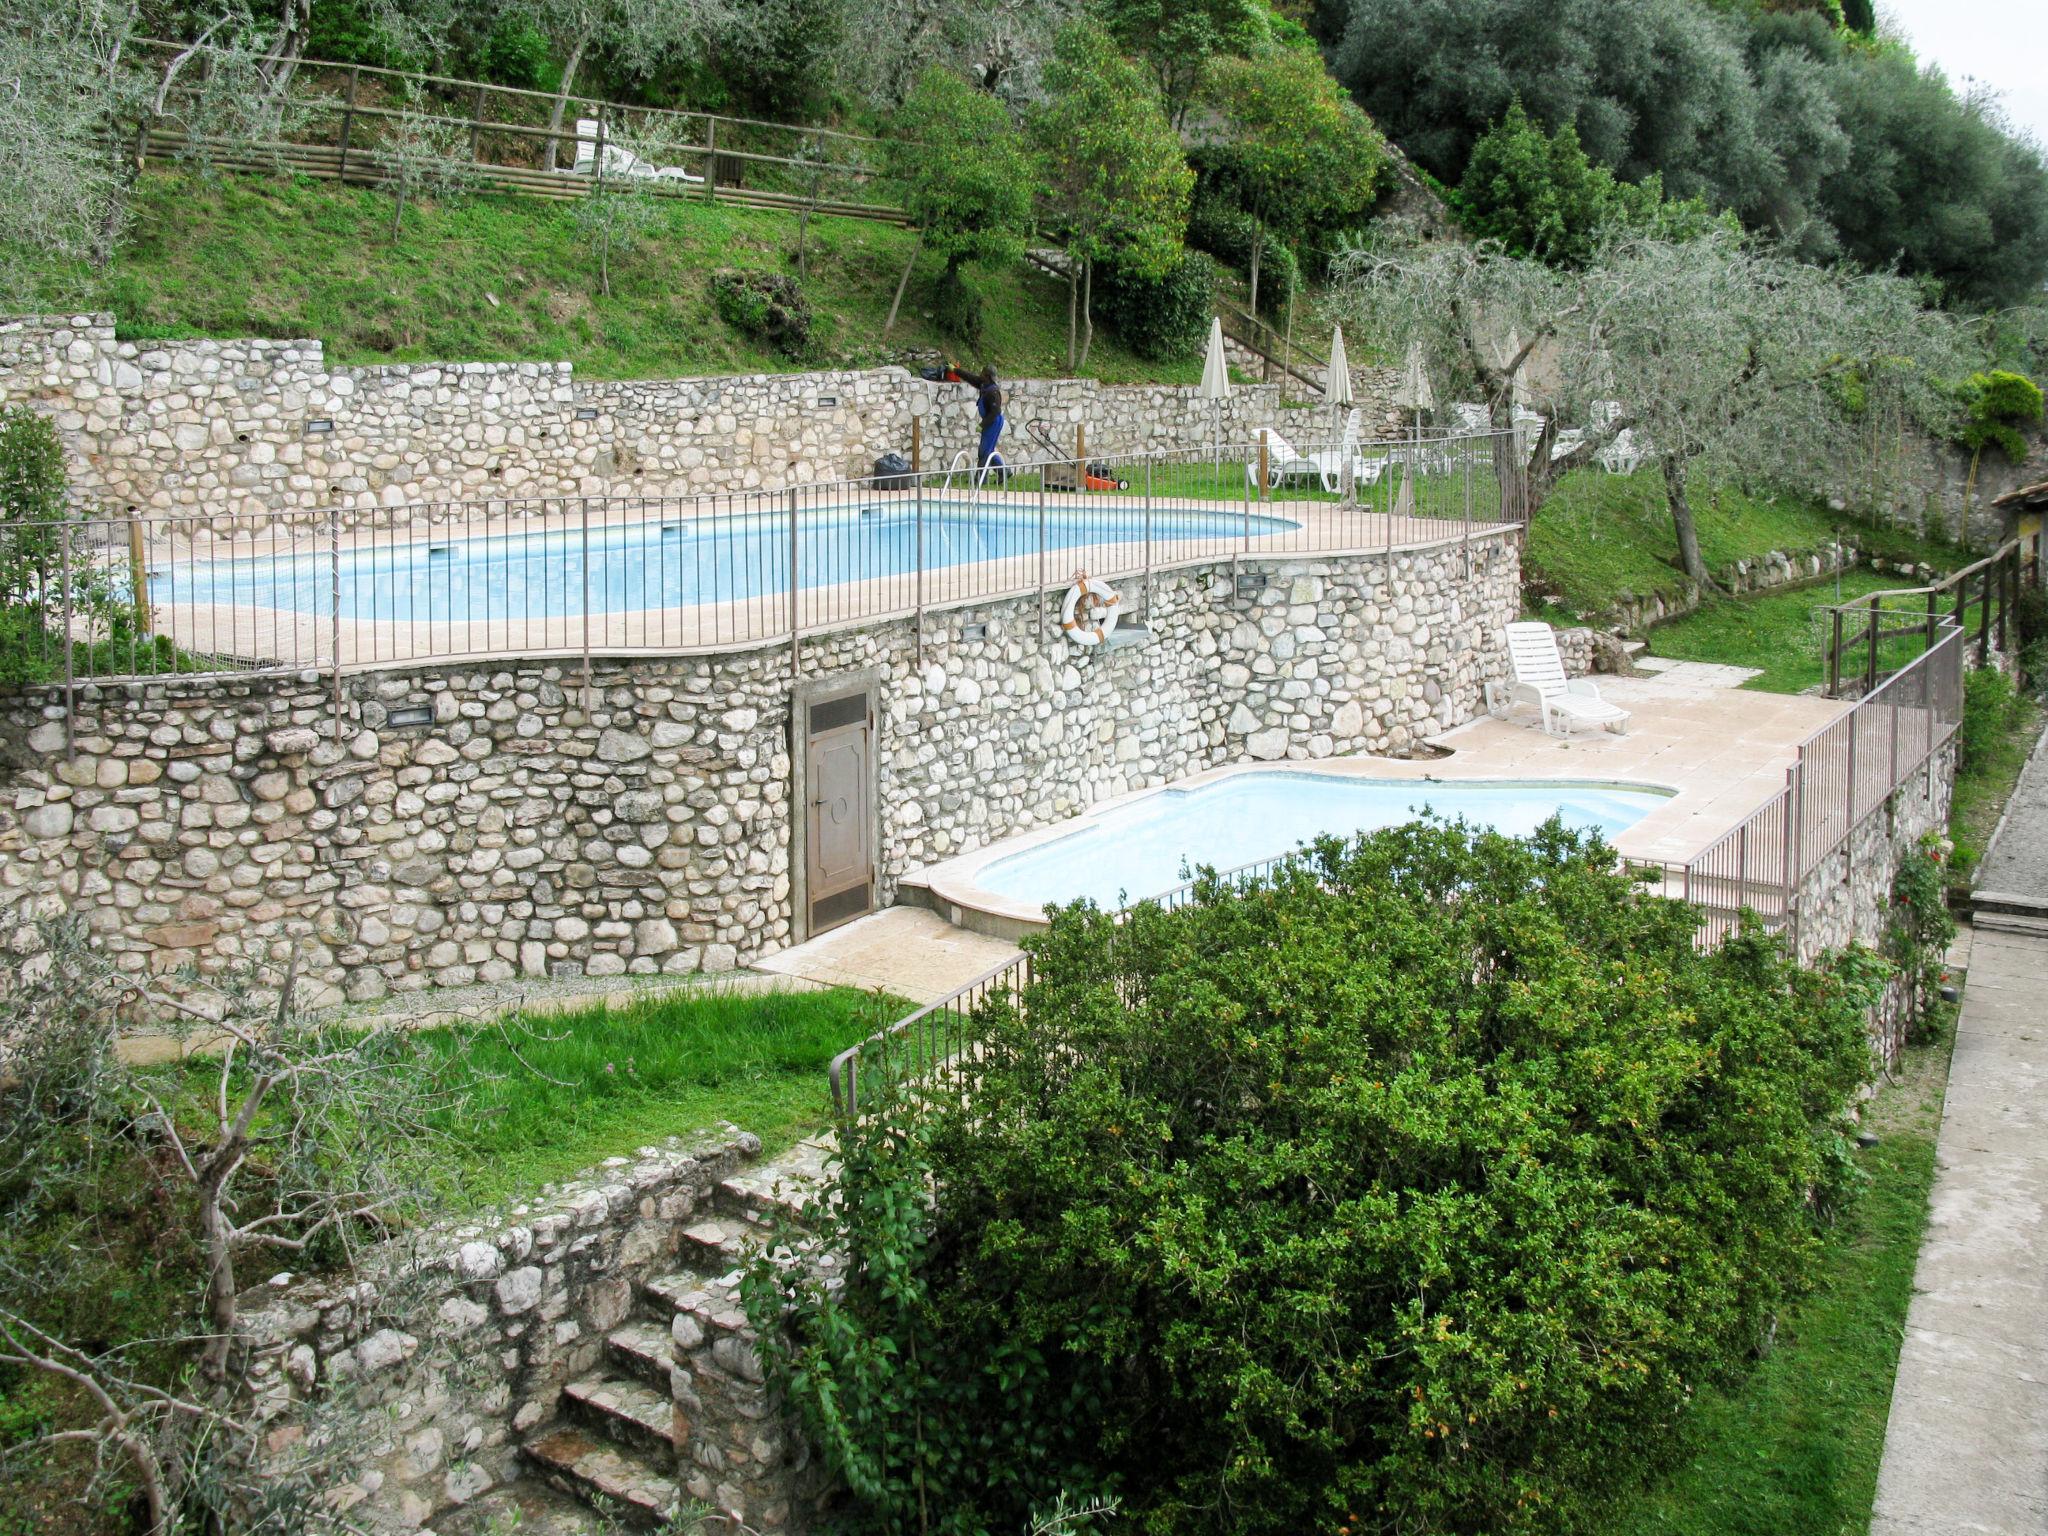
<point x="336" y="119"/>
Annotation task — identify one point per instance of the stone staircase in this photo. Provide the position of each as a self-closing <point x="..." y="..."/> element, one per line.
<point x="677" y="1413"/>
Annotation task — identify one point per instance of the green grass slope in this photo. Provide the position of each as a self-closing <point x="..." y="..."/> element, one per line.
<point x="1601" y="536"/>
<point x="502" y="278"/>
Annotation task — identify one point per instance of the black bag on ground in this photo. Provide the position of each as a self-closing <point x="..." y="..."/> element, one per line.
<point x="892" y="473"/>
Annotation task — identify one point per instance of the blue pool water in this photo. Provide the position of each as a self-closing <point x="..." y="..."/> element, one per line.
<point x="1142" y="849"/>
<point x="655" y="564"/>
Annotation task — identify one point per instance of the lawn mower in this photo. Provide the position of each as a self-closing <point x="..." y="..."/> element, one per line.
<point x="1061" y="473"/>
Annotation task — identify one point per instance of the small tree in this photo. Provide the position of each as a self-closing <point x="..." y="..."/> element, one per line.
<point x="1114" y="176"/>
<point x="34" y="492"/>
<point x="423" y="156"/>
<point x="619" y="212"/>
<point x="967" y="181"/>
<point x="1299" y="154"/>
<point x="1537" y="194"/>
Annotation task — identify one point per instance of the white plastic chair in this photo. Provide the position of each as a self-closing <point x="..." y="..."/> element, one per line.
<point x="1330" y="462"/>
<point x="1564" y="702"/>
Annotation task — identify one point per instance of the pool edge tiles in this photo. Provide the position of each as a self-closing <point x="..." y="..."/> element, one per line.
<point x="1134" y="846"/>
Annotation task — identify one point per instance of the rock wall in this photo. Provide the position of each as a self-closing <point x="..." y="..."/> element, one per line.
<point x="1847" y="897"/>
<point x="520" y="828"/>
<point x="426" y="1369"/>
<point x="255" y="429"/>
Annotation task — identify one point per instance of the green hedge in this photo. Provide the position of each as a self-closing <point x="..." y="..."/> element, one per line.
<point x="1417" y="1189"/>
<point x="1163" y="320"/>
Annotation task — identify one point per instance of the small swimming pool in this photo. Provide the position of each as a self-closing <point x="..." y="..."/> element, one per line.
<point x="1140" y="848"/>
<point x="667" y="564"/>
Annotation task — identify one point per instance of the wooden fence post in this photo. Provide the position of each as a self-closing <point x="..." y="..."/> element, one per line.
<point x="710" y="159"/>
<point x="348" y="124"/>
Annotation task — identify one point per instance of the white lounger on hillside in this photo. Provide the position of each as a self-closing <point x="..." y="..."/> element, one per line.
<point x="619" y="161"/>
<point x="1540" y="680"/>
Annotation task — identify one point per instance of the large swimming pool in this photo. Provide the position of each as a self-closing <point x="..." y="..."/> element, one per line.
<point x="1142" y="848"/>
<point x="664" y="564"/>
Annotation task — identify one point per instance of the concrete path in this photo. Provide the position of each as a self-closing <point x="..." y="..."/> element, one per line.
<point x="907" y="951"/>
<point x="1966" y="1449"/>
<point x="2012" y="885"/>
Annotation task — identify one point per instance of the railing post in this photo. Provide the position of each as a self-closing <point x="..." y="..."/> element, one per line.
<point x="1148" y="539"/>
<point x="920" y="559"/>
<point x="794" y="660"/>
<point x="1265" y="464"/>
<point x="1044" y="624"/>
<point x="588" y="702"/>
<point x="476" y="127"/>
<point x="348" y="124"/>
<point x="1849" y="823"/>
<point x="1931" y="617"/>
<point x="334" y="608"/>
<point x="70" y="674"/>
<point x="1984" y="622"/>
<point x="138" y="576"/>
<point x="1870" y="647"/>
<point x="710" y="159"/>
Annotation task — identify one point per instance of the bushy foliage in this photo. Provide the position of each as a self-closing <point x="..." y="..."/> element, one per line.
<point x="1997" y="406"/>
<point x="1917" y="938"/>
<point x="1177" y="38"/>
<point x="767" y="305"/>
<point x="1827" y="143"/>
<point x="1540" y="195"/>
<point x="1991" y="705"/>
<point x="1418" y="1187"/>
<point x="966" y="177"/>
<point x="1165" y="319"/>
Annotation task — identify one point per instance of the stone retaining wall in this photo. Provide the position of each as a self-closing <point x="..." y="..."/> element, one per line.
<point x="524" y="830"/>
<point x="255" y="429"/>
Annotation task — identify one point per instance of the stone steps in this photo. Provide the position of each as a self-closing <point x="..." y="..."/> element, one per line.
<point x="687" y="1351"/>
<point x="641" y="1347"/>
<point x="625" y="1410"/>
<point x="626" y="1484"/>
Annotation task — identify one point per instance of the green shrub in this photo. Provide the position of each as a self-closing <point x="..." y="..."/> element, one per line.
<point x="1990" y="706"/>
<point x="1997" y="407"/>
<point x="1415" y="1188"/>
<point x="769" y="306"/>
<point x="1164" y="320"/>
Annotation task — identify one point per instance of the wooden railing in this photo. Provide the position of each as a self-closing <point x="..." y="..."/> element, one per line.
<point x="1866" y="638"/>
<point x="335" y="119"/>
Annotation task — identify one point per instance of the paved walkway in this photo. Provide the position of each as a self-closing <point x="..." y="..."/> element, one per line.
<point x="1967" y="1446"/>
<point x="907" y="951"/>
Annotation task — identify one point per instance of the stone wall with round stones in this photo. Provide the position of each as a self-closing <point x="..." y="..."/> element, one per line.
<point x="486" y="821"/>
<point x="259" y="429"/>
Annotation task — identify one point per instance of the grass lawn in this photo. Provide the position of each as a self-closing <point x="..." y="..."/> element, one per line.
<point x="545" y="1096"/>
<point x="1600" y="536"/>
<point x="1795" y="1450"/>
<point x="1784" y="632"/>
<point x="293" y="257"/>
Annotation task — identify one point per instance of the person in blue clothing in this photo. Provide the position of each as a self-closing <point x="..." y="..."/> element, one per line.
<point x="988" y="401"/>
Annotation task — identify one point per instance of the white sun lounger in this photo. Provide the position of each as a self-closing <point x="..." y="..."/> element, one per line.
<point x="1564" y="703"/>
<point x="1284" y="462"/>
<point x="619" y="161"/>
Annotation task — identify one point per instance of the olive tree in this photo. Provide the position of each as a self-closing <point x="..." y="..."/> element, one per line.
<point x="1115" y="181"/>
<point x="638" y="35"/>
<point x="1730" y="361"/>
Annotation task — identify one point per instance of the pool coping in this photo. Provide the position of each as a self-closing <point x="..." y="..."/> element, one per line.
<point x="952" y="888"/>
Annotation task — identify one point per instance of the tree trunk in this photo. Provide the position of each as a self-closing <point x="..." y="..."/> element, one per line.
<point x="1087" y="312"/>
<point x="1258" y="252"/>
<point x="604" y="262"/>
<point x="397" y="214"/>
<point x="1689" y="559"/>
<point x="220" y="1267"/>
<point x="1074" y="302"/>
<point x="1969" y="488"/>
<point x="562" y="99"/>
<point x="902" y="283"/>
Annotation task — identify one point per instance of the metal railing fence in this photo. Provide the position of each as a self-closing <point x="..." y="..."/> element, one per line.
<point x="1846" y="773"/>
<point x="217" y="594"/>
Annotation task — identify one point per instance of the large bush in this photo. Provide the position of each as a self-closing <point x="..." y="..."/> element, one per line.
<point x="1416" y="1189"/>
<point x="1165" y="319"/>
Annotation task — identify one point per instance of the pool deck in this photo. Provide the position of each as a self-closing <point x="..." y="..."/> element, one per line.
<point x="1723" y="751"/>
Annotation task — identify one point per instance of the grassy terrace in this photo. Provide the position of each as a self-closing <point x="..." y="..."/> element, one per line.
<point x="510" y="279"/>
<point x="1785" y="632"/>
<point x="542" y="1097"/>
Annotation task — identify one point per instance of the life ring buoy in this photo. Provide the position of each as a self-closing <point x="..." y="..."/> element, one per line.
<point x="1089" y="614"/>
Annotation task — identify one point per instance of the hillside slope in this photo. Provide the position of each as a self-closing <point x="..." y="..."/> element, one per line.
<point x="498" y="278"/>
